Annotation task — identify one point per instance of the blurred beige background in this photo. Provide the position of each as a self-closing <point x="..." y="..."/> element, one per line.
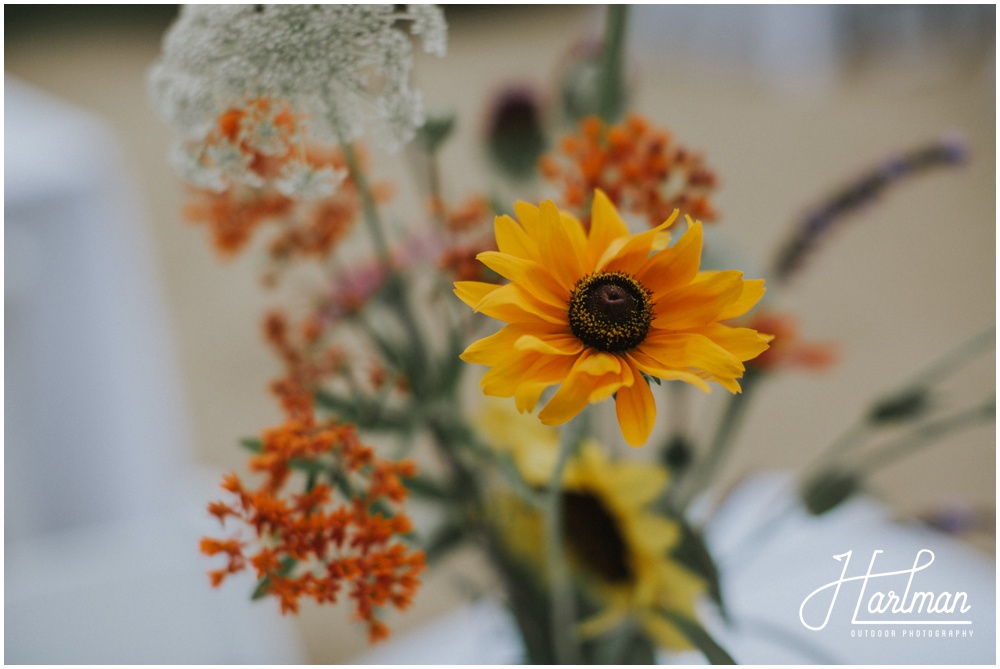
<point x="908" y="279"/>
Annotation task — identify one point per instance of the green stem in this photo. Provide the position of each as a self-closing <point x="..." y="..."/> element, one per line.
<point x="434" y="187"/>
<point x="853" y="437"/>
<point x="563" y="613"/>
<point x="936" y="371"/>
<point x="610" y="76"/>
<point x="705" y="467"/>
<point x="926" y="435"/>
<point x="951" y="360"/>
<point x="680" y="410"/>
<point x="395" y="287"/>
<point x="372" y="219"/>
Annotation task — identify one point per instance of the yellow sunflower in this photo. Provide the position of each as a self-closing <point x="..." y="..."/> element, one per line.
<point x="619" y="551"/>
<point x="594" y="311"/>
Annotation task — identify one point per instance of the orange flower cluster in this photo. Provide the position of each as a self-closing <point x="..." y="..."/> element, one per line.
<point x="342" y="532"/>
<point x="787" y="350"/>
<point x="307" y="359"/>
<point x="469" y="231"/>
<point x="640" y="168"/>
<point x="273" y="174"/>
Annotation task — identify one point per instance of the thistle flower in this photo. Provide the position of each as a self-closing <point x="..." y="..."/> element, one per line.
<point x="334" y="68"/>
<point x="598" y="312"/>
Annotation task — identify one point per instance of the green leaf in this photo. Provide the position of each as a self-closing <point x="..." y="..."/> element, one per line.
<point x="340" y="480"/>
<point x="252" y="444"/>
<point x="365" y="414"/>
<point x="345" y="409"/>
<point x="512" y="477"/>
<point x="436" y="129"/>
<point x="380" y="506"/>
<point x="650" y="378"/>
<point x="423" y="486"/>
<point x="901" y="407"/>
<point x="829" y="489"/>
<point x="697" y="635"/>
<point x="306" y="465"/>
<point x="443" y="541"/>
<point x="263" y="586"/>
<point x="692" y="552"/>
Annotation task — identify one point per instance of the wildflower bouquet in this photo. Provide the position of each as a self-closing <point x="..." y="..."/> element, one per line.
<point x="595" y="297"/>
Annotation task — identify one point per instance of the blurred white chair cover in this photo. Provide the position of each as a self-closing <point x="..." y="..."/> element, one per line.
<point x="103" y="506"/>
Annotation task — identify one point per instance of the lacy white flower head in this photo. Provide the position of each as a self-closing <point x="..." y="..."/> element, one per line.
<point x="247" y="85"/>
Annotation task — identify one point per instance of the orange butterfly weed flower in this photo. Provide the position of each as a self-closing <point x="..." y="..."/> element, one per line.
<point x="271" y="172"/>
<point x="344" y="533"/>
<point x="640" y="168"/>
<point x="788" y="350"/>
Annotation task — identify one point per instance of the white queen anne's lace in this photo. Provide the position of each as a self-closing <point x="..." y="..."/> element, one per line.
<point x="342" y="67"/>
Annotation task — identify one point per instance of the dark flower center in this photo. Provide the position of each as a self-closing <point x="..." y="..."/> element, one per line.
<point x="593" y="538"/>
<point x="610" y="311"/>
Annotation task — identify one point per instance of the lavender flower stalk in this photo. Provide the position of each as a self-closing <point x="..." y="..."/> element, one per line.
<point x="818" y="223"/>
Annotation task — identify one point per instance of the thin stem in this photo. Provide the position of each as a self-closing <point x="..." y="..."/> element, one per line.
<point x="936" y="371"/>
<point x="610" y="80"/>
<point x="941" y="367"/>
<point x="434" y="187"/>
<point x="563" y="613"/>
<point x="718" y="449"/>
<point x="925" y="435"/>
<point x="395" y="287"/>
<point x="853" y="437"/>
<point x="374" y="222"/>
<point x="680" y="410"/>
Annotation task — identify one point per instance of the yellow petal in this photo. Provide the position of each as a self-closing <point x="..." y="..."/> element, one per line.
<point x="698" y="303"/>
<point x="529" y="275"/>
<point x="683" y="350"/>
<point x="544" y="373"/>
<point x="634" y="252"/>
<point x="661" y="241"/>
<point x="528" y="216"/>
<point x="613" y="381"/>
<point x="753" y="290"/>
<point x="730" y="384"/>
<point x="511" y="304"/>
<point x="561" y="246"/>
<point x="512" y="239"/>
<point x="598" y="363"/>
<point x="744" y="343"/>
<point x="654" y="533"/>
<point x="488" y="350"/>
<point x="605" y="226"/>
<point x="674" y="267"/>
<point x="602" y="623"/>
<point x="654" y="368"/>
<point x="580" y="385"/>
<point x="471" y="292"/>
<point x="636" y="484"/>
<point x="636" y="411"/>
<point x="504" y="378"/>
<point x="559" y="344"/>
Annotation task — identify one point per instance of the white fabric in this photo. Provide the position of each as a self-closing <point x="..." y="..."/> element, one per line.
<point x="103" y="510"/>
